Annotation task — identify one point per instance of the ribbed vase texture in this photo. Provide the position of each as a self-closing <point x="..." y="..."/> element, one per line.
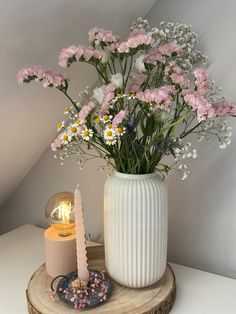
<point x="135" y="228"/>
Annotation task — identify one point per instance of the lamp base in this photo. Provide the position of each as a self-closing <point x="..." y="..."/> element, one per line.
<point x="60" y="253"/>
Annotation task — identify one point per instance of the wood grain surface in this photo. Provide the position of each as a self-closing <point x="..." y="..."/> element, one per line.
<point x="156" y="299"/>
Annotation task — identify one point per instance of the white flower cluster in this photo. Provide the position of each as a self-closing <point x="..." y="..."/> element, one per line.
<point x="218" y="128"/>
<point x="140" y="23"/>
<point x="183" y="153"/>
<point x="183" y="35"/>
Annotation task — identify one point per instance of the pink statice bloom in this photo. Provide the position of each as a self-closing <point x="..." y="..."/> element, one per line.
<point x="78" y="52"/>
<point x="161" y="96"/>
<point x="137" y="31"/>
<point x="154" y="56"/>
<point x="141" y="39"/>
<point x="119" y="117"/>
<point x="101" y="35"/>
<point x="24" y="74"/>
<point x="108" y="96"/>
<point x="123" y="47"/>
<point x="202" y="81"/>
<point x="224" y="108"/>
<point x="56" y="144"/>
<point x="135" y="41"/>
<point x="85" y="110"/>
<point x="176" y="75"/>
<point x="135" y="82"/>
<point x="169" y="48"/>
<point x="37" y="73"/>
<point x="199" y="104"/>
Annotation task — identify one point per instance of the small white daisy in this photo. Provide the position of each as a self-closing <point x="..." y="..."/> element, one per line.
<point x="106" y="118"/>
<point x="78" y="122"/>
<point x="121" y="131"/>
<point x="60" y="125"/>
<point x="109" y="133"/>
<point x="73" y="129"/>
<point x="111" y="141"/>
<point x="68" y="110"/>
<point x="65" y="138"/>
<point x="87" y="134"/>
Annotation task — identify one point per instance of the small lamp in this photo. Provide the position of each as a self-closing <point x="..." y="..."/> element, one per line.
<point x="60" y="213"/>
<point x="59" y="238"/>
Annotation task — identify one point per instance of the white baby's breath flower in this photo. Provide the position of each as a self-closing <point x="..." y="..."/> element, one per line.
<point x="117" y="79"/>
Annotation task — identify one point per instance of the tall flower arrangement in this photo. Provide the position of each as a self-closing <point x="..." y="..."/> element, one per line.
<point x="153" y="92"/>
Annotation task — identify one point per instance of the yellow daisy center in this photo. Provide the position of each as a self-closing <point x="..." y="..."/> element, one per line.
<point x="78" y="121"/>
<point x="132" y="94"/>
<point x="73" y="129"/>
<point x="86" y="133"/>
<point x="67" y="109"/>
<point x="97" y="119"/>
<point x="59" y="125"/>
<point x="109" y="133"/>
<point x="110" y="126"/>
<point x="120" y="130"/>
<point x="119" y="95"/>
<point x="106" y="117"/>
<point x="65" y="138"/>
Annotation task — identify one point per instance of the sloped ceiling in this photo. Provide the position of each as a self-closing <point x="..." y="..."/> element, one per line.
<point x="33" y="32"/>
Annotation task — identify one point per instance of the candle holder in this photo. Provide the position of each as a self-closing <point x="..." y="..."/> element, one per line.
<point x="80" y="294"/>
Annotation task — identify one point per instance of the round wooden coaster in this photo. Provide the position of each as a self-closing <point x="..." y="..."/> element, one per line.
<point x="156" y="299"/>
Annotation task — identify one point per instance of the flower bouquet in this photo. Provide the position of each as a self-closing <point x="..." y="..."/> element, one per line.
<point x="152" y="93"/>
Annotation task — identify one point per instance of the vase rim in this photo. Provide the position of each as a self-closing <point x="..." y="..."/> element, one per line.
<point x="136" y="176"/>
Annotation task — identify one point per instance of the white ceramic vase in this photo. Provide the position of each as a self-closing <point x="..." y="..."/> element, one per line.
<point x="135" y="228"/>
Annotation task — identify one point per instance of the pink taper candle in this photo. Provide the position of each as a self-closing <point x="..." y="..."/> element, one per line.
<point x="82" y="265"/>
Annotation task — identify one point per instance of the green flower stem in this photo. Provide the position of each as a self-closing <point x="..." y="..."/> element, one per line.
<point x="71" y="100"/>
<point x="130" y="67"/>
<point x="189" y="131"/>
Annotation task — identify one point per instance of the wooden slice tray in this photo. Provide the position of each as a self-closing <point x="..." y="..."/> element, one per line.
<point x="156" y="299"/>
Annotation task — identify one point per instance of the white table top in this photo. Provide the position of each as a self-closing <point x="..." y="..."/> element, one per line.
<point x="21" y="253"/>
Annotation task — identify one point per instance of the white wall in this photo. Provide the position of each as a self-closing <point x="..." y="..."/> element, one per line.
<point x="202" y="210"/>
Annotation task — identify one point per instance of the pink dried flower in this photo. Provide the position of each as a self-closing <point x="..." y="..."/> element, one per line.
<point x="85" y="110"/>
<point x="160" y="53"/>
<point x="154" y="56"/>
<point x="56" y="144"/>
<point x="135" y="82"/>
<point x="169" y="48"/>
<point x="101" y="35"/>
<point x="202" y="81"/>
<point x="176" y="75"/>
<point x="135" y="42"/>
<point x="224" y="108"/>
<point x="47" y="77"/>
<point x="78" y="53"/>
<point x="203" y="108"/>
<point x="108" y="96"/>
<point x="137" y="31"/>
<point x="119" y="117"/>
<point x="161" y="96"/>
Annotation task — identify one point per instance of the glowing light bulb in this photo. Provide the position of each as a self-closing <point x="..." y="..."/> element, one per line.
<point x="60" y="213"/>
